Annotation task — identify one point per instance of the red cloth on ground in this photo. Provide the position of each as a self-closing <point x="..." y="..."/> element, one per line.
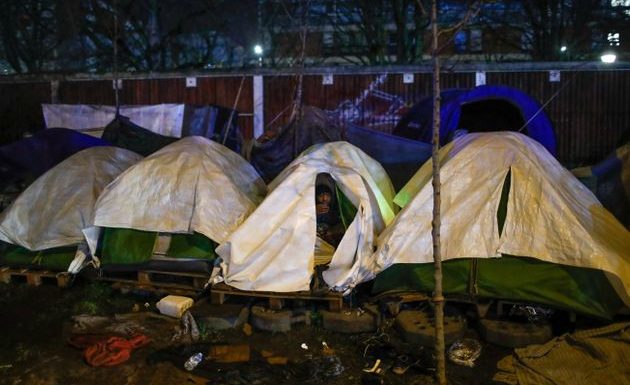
<point x="108" y="351"/>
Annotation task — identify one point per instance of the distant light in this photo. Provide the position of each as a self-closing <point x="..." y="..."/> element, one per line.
<point x="608" y="57"/>
<point x="258" y="50"/>
<point x="563" y="48"/>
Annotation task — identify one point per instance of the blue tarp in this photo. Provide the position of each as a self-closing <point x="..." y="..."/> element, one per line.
<point x="28" y="158"/>
<point x="610" y="187"/>
<point x="417" y="124"/>
<point x="400" y="157"/>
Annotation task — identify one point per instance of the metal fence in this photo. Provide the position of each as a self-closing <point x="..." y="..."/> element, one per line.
<point x="589" y="105"/>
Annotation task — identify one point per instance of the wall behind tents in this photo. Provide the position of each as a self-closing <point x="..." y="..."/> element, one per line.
<point x="590" y="111"/>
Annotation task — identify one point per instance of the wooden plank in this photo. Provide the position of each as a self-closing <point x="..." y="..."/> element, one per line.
<point x="276" y="303"/>
<point x="5" y="276"/>
<point x="144" y="278"/>
<point x="217" y="298"/>
<point x="276" y="300"/>
<point x="154" y="280"/>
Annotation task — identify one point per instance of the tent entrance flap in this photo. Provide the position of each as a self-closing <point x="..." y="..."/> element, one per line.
<point x="490" y="115"/>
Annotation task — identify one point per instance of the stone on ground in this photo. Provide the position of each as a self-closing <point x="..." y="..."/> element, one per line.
<point x="416" y="327"/>
<point x="514" y="334"/>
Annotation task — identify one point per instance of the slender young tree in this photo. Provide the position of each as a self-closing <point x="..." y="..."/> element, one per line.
<point x="438" y="298"/>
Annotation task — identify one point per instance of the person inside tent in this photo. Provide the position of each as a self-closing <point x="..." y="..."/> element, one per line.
<point x="330" y="228"/>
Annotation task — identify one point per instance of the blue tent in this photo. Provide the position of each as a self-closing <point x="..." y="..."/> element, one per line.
<point x="481" y="109"/>
<point x="28" y="158"/>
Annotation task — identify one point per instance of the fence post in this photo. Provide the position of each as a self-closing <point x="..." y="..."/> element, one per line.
<point x="259" y="105"/>
<point x="54" y="92"/>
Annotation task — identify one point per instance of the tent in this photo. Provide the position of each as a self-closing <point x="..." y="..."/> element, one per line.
<point x="175" y="204"/>
<point x="26" y="159"/>
<point x="610" y="181"/>
<point x="400" y="157"/>
<point x="272" y="152"/>
<point x="45" y="222"/>
<point x="121" y="132"/>
<point x="274" y="249"/>
<point x="515" y="225"/>
<point x="481" y="109"/>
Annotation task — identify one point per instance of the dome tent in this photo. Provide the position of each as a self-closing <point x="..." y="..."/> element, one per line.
<point x="273" y="250"/>
<point x="26" y="159"/>
<point x="46" y="221"/>
<point x="194" y="190"/>
<point x="540" y="220"/>
<point x="480" y="109"/>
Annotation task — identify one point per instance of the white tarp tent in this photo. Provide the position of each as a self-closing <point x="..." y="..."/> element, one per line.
<point x="192" y="185"/>
<point x="163" y="119"/>
<point x="273" y="250"/>
<point x="551" y="216"/>
<point x="53" y="210"/>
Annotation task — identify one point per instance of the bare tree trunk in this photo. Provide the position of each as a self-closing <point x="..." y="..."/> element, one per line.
<point x="115" y="45"/>
<point x="296" y="114"/>
<point x="438" y="298"/>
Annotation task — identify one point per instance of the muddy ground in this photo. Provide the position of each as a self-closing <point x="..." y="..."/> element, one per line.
<point x="36" y="322"/>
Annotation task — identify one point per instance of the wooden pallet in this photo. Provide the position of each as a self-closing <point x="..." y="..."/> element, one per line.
<point x="34" y="277"/>
<point x="158" y="281"/>
<point x="220" y="291"/>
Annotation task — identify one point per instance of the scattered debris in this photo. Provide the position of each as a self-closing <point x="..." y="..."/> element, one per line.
<point x="465" y="352"/>
<point x="174" y="305"/>
<point x="327" y="350"/>
<point x="402" y="365"/>
<point x="274" y="359"/>
<point x="229" y="353"/>
<point x="375" y="368"/>
<point x="533" y="313"/>
<point x="323" y="368"/>
<point x="193" y="361"/>
<point x="247" y="329"/>
<point x="189" y="331"/>
<point x="103" y="351"/>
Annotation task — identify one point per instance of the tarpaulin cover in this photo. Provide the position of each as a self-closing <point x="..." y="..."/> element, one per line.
<point x="272" y="156"/>
<point x="28" y="158"/>
<point x="400" y="157"/>
<point x="53" y="210"/>
<point x="418" y="123"/>
<point x="273" y="249"/>
<point x="171" y="120"/>
<point x="595" y="357"/>
<point x="192" y="185"/>
<point x="123" y="133"/>
<point x="127" y="246"/>
<point x="610" y="180"/>
<point x="550" y="215"/>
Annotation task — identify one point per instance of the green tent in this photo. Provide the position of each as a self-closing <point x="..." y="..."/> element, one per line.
<point x="482" y="178"/>
<point x="176" y="205"/>
<point x="128" y="246"/>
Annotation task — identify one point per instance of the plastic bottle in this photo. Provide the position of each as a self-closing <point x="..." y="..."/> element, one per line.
<point x="193" y="361"/>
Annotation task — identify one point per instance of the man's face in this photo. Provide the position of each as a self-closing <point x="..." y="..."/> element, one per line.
<point x="323" y="198"/>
